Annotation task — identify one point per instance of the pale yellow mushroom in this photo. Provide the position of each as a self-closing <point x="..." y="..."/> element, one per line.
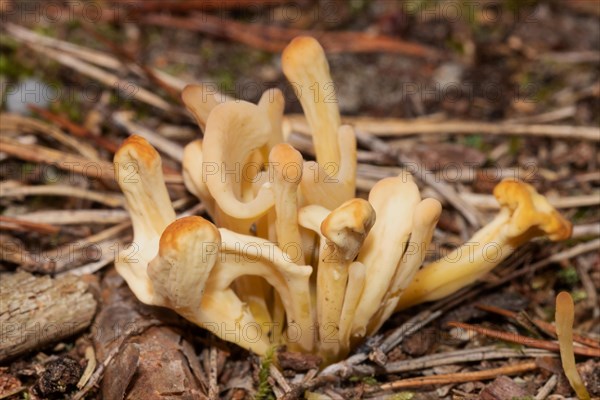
<point x="188" y="265"/>
<point x="331" y="184"/>
<point x="232" y="164"/>
<point x="138" y="170"/>
<point x="272" y="103"/>
<point x="425" y="218"/>
<point x="332" y="179"/>
<point x="233" y="131"/>
<point x="192" y="176"/>
<point x="195" y="181"/>
<point x="286" y="163"/>
<point x="200" y="99"/>
<point x="394" y="200"/>
<point x="191" y="242"/>
<point x="564" y="317"/>
<point x="524" y="214"/>
<point x="245" y="255"/>
<point x="305" y="66"/>
<point x="258" y="291"/>
<point x="356" y="284"/>
<point x="342" y="232"/>
<point x="186" y="276"/>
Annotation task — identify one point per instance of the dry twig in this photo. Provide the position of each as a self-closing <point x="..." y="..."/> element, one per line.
<point x="348" y="366"/>
<point x="213" y="385"/>
<point x="99" y="169"/>
<point x="274" y="38"/>
<point x="18" y="123"/>
<point x="457" y="378"/>
<point x="108" y="199"/>
<point x="16" y="224"/>
<point x="96" y="169"/>
<point x="423" y="174"/>
<point x="402" y="127"/>
<point x="524" y="340"/>
<point x="164" y="145"/>
<point x="543" y="325"/>
<point x="76" y="217"/>
<point x="462" y="356"/>
<point x="75" y="129"/>
<point x="545" y="390"/>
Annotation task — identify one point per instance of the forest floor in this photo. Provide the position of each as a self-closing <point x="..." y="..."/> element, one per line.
<point x="494" y="90"/>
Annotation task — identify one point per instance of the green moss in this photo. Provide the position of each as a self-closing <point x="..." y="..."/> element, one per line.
<point x="474" y="141"/>
<point x="369" y="380"/>
<point x="265" y="391"/>
<point x="518" y="5"/>
<point x="225" y="81"/>
<point x="568" y="276"/>
<point x="515" y="144"/>
<point x="579" y="295"/>
<point x="10" y="66"/>
<point x="455" y="45"/>
<point x="358" y="7"/>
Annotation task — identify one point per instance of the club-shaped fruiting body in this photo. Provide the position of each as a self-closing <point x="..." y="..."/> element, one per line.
<point x="289" y="255"/>
<point x="524" y="214"/>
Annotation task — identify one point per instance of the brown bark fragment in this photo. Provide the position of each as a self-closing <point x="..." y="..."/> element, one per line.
<point x="8" y="383"/>
<point x="154" y="361"/>
<point x="502" y="388"/>
<point x="299" y="362"/>
<point x="420" y="342"/>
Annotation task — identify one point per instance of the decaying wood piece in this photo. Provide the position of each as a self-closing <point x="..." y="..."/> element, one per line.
<point x="503" y="388"/>
<point x="152" y="360"/>
<point x="36" y="311"/>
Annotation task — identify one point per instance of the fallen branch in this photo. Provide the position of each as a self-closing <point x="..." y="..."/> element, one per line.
<point x="567" y="254"/>
<point x="37" y="311"/>
<point x="71" y="255"/>
<point x="584" y="267"/>
<point x="126" y="88"/>
<point x="13" y="251"/>
<point x="91" y="56"/>
<point x="348" y="366"/>
<point x="407" y="329"/>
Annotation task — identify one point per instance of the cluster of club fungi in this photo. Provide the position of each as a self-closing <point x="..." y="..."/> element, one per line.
<point x="290" y="256"/>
